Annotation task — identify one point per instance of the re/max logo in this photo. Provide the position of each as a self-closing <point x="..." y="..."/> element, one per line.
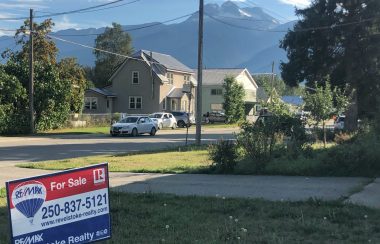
<point x="30" y="239"/>
<point x="28" y="191"/>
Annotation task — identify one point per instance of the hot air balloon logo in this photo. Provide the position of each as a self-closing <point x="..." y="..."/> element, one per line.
<point x="28" y="198"/>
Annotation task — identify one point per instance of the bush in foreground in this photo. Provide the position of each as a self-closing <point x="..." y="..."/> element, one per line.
<point x="223" y="155"/>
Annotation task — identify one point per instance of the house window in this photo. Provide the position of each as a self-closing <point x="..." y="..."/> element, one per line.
<point x="174" y="105"/>
<point x="164" y="104"/>
<point x="186" y="79"/>
<point x="170" y="77"/>
<point x="135" y="102"/>
<point x="216" y="92"/>
<point x="184" y="106"/>
<point x="108" y="103"/>
<point x="91" y="103"/>
<point x="216" y="107"/>
<point x="135" y="77"/>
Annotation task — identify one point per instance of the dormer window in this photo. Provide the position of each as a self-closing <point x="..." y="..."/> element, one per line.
<point x="170" y="77"/>
<point x="135" y="77"/>
<point x="186" y="79"/>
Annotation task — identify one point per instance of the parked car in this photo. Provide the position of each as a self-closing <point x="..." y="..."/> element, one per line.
<point x="183" y="118"/>
<point x="134" y="125"/>
<point x="215" y="117"/>
<point x="339" y="122"/>
<point x="164" y="120"/>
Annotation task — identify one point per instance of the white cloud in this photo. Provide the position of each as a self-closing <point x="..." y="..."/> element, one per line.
<point x="298" y="3"/>
<point x="22" y="5"/>
<point x="65" y="23"/>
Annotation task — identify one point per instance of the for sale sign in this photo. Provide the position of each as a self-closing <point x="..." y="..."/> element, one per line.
<point x="61" y="208"/>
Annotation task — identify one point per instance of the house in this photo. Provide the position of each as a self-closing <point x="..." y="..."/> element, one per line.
<point x="145" y="83"/>
<point x="98" y="100"/>
<point x="212" y="89"/>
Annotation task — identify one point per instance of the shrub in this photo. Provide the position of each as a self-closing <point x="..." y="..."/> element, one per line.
<point x="256" y="144"/>
<point x="223" y="155"/>
<point x="359" y="157"/>
<point x="318" y="134"/>
<point x="342" y="137"/>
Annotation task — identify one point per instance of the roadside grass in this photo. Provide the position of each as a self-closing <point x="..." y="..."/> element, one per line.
<point x="161" y="218"/>
<point x="191" y="159"/>
<point x="220" y="125"/>
<point x="334" y="160"/>
<point x="73" y="131"/>
<point x="105" y="129"/>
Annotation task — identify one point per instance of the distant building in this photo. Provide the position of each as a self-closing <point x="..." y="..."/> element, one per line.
<point x="294" y="101"/>
<point x="212" y="89"/>
<point x="150" y="82"/>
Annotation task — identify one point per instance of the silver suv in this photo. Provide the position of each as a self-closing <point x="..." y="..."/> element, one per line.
<point x="183" y="118"/>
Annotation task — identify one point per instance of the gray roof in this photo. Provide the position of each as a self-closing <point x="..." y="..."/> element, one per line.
<point x="216" y="76"/>
<point x="102" y="91"/>
<point x="261" y="94"/>
<point x="293" y="100"/>
<point x="166" y="60"/>
<point x="175" y="93"/>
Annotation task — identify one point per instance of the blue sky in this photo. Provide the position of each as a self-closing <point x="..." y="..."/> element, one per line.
<point x="139" y="12"/>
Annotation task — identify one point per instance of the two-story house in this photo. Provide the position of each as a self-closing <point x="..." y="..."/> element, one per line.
<point x="145" y="83"/>
<point x="212" y="89"/>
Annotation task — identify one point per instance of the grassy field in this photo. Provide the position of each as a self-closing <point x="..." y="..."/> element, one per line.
<point x="179" y="160"/>
<point x="158" y="218"/>
<point x="184" y="160"/>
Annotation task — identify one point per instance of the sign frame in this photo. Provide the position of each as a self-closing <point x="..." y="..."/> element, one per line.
<point x="63" y="172"/>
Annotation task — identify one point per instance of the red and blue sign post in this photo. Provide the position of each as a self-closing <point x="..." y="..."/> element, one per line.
<point x="61" y="208"/>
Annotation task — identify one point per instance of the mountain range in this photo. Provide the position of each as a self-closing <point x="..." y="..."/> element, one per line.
<point x="234" y="36"/>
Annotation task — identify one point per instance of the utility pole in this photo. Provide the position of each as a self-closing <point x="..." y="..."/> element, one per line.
<point x="199" y="88"/>
<point x="271" y="84"/>
<point x="31" y="74"/>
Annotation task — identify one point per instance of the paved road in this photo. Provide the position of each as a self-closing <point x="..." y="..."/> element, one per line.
<point x="30" y="149"/>
<point x="39" y="148"/>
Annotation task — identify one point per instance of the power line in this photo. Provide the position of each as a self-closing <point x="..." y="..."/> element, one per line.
<point x="100" y="50"/>
<point x="101" y="9"/>
<point x="247" y="19"/>
<point x="83" y="10"/>
<point x="296" y="30"/>
<point x="241" y="27"/>
<point x="266" y="9"/>
<point x="132" y="29"/>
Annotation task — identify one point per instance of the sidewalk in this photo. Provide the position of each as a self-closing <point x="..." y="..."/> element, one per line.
<point x="274" y="188"/>
<point x="369" y="196"/>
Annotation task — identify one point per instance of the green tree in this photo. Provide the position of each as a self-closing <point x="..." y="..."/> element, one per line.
<point x="58" y="89"/>
<point x="279" y="85"/>
<point x="73" y="73"/>
<point x="233" y="104"/>
<point x="265" y="81"/>
<point x="45" y="50"/>
<point x="324" y="102"/>
<point x="347" y="50"/>
<point x="115" y="40"/>
<point x="13" y="104"/>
